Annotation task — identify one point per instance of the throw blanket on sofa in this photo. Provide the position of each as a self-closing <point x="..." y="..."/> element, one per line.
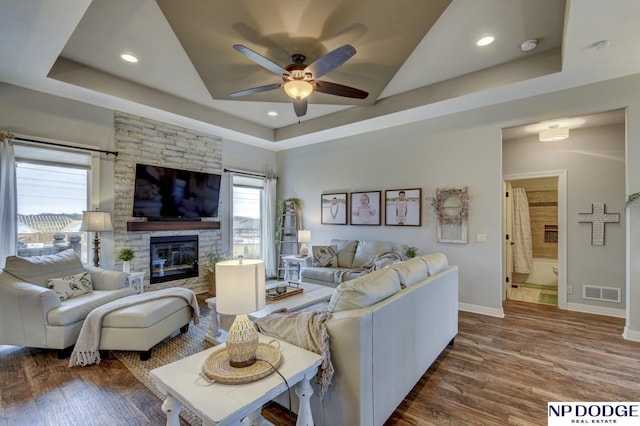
<point x="306" y="330"/>
<point x="378" y="262"/>
<point x="86" y="350"/>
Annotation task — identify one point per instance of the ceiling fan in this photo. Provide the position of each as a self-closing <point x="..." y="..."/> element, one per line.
<point x="300" y="80"/>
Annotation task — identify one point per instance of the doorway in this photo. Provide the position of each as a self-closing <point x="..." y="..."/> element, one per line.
<point x="539" y="277"/>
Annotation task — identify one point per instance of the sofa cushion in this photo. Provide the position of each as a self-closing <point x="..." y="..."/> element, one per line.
<point x="411" y="272"/>
<point x="320" y="274"/>
<point x="77" y="308"/>
<point x="71" y="286"/>
<point x="325" y="256"/>
<point x="38" y="269"/>
<point x="365" y="291"/>
<point x="346" y="251"/>
<point x="367" y="250"/>
<point x="436" y="262"/>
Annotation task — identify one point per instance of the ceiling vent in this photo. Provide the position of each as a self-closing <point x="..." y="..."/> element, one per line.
<point x="605" y="294"/>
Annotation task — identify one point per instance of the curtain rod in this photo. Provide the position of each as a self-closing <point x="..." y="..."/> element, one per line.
<point x="66" y="146"/>
<point x="240" y="172"/>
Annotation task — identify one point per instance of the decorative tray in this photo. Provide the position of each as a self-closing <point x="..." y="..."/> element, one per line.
<point x="272" y="293"/>
<point x="217" y="369"/>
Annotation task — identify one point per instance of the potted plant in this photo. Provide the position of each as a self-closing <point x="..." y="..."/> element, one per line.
<point x="212" y="257"/>
<point x="409" y="251"/>
<point x="126" y="254"/>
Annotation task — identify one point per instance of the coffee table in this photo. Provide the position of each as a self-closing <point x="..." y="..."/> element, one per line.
<point x="311" y="295"/>
<point x="218" y="404"/>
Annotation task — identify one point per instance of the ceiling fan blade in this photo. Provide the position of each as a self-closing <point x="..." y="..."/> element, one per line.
<point x="256" y="90"/>
<point x="300" y="107"/>
<point x="331" y="61"/>
<point x="340" y="90"/>
<point x="260" y="60"/>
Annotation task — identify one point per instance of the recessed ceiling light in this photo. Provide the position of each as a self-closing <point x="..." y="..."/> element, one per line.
<point x="485" y="41"/>
<point x="129" y="57"/>
<point x="272" y="113"/>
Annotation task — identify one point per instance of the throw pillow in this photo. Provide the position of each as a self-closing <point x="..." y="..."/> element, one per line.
<point x="325" y="256"/>
<point x="71" y="286"/>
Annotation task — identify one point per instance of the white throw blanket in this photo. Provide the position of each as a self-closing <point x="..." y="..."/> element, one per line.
<point x="306" y="330"/>
<point x="86" y="350"/>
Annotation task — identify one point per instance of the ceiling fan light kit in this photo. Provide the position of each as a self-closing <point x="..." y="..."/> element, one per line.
<point x="299" y="80"/>
<point x="298" y="89"/>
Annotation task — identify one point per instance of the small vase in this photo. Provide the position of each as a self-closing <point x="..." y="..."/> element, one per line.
<point x="126" y="266"/>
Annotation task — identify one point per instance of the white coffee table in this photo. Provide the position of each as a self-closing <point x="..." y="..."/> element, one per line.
<point x="218" y="404"/>
<point x="311" y="294"/>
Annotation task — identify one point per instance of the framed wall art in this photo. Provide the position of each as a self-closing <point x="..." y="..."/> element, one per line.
<point x="334" y="208"/>
<point x="365" y="208"/>
<point x="403" y="207"/>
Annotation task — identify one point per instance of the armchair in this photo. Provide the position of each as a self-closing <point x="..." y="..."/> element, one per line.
<point x="35" y="316"/>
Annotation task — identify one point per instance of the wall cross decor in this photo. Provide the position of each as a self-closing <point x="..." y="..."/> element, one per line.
<point x="598" y="218"/>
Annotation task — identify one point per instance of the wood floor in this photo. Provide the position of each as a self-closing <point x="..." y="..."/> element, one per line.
<point x="500" y="371"/>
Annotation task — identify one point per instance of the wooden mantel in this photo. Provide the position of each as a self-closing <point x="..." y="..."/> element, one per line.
<point x="171" y="225"/>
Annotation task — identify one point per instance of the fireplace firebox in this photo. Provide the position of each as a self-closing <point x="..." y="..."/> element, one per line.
<point x="173" y="258"/>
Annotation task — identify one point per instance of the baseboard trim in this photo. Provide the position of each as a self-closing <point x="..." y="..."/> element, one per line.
<point x="597" y="310"/>
<point x="633" y="335"/>
<point x="483" y="310"/>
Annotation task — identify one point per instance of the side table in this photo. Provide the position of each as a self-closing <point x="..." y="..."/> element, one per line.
<point x="218" y="404"/>
<point x="136" y="280"/>
<point x="293" y="261"/>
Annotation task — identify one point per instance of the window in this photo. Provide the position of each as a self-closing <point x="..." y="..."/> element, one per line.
<point x="52" y="191"/>
<point x="247" y="199"/>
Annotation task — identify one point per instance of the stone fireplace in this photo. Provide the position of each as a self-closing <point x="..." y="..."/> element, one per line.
<point x="173" y="258"/>
<point x="145" y="141"/>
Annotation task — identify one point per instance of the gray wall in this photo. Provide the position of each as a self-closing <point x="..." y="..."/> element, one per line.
<point x="38" y="115"/>
<point x="594" y="160"/>
<point x="464" y="149"/>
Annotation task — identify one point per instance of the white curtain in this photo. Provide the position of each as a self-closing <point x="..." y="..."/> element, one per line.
<point x="8" y="212"/>
<point x="523" y="246"/>
<point x="269" y="226"/>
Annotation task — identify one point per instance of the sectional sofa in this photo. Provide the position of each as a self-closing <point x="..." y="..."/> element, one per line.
<point x="386" y="329"/>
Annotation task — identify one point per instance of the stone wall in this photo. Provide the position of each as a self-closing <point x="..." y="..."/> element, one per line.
<point x="141" y="140"/>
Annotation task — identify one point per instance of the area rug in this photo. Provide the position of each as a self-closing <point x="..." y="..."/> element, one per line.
<point x="175" y="347"/>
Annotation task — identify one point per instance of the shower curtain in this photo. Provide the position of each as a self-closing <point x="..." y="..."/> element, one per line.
<point x="523" y="247"/>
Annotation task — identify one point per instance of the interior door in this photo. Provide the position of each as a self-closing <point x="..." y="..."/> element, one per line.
<point x="507" y="214"/>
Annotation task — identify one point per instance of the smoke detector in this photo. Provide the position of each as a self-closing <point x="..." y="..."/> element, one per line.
<point x="528" y="45"/>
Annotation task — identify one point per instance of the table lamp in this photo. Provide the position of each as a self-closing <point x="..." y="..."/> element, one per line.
<point x="240" y="290"/>
<point x="304" y="237"/>
<point x="96" y="222"/>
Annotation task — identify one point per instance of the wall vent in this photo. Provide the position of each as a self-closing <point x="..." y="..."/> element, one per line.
<point x="606" y="294"/>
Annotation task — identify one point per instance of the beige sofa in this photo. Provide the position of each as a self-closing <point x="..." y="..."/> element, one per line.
<point x="351" y="254"/>
<point x="33" y="315"/>
<point x="386" y="329"/>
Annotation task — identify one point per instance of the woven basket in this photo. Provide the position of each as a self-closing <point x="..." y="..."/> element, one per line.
<point x="216" y="367"/>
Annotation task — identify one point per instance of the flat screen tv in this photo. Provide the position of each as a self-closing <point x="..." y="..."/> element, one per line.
<point x="164" y="193"/>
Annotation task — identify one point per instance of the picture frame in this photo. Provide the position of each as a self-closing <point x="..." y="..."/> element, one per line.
<point x="403" y="207"/>
<point x="365" y="208"/>
<point x="334" y="208"/>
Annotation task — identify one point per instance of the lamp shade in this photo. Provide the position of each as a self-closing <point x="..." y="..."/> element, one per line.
<point x="304" y="236"/>
<point x="96" y="221"/>
<point x="240" y="286"/>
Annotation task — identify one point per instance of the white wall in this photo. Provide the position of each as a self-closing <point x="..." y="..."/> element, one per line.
<point x="594" y="159"/>
<point x="459" y="150"/>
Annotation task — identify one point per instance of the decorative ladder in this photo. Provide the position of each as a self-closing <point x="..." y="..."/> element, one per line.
<point x="288" y="243"/>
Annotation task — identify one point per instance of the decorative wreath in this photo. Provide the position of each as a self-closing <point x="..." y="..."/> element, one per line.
<point x="438" y="204"/>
